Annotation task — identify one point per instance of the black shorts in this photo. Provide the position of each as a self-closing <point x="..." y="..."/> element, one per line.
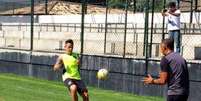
<point x="177" y="97"/>
<point x="79" y="83"/>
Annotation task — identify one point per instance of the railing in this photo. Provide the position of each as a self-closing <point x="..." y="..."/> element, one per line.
<point x="96" y="28"/>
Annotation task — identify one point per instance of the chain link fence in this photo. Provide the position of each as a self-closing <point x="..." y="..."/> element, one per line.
<point x="106" y="29"/>
<point x="109" y="28"/>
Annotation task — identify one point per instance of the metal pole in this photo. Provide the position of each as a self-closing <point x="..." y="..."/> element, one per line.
<point x="134" y="6"/>
<point x="163" y="27"/>
<point x="146" y="26"/>
<point x="82" y="26"/>
<point x="146" y="34"/>
<point x="105" y="36"/>
<point x="32" y="25"/>
<point x="191" y="14"/>
<point x="125" y="28"/>
<point x="152" y="24"/>
<point x="46" y="6"/>
<point x="196" y="5"/>
<point x="30" y="69"/>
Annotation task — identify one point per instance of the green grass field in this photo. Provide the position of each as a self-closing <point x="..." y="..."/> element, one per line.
<point x="20" y="88"/>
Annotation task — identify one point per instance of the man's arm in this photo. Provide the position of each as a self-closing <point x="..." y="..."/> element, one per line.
<point x="163" y="75"/>
<point x="164" y="13"/>
<point x="58" y="64"/>
<point x="176" y="13"/>
<point x="160" y="81"/>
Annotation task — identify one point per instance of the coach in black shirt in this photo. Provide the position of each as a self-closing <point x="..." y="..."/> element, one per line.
<point x="174" y="72"/>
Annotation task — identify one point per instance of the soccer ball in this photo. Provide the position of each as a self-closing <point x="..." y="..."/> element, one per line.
<point x="102" y="74"/>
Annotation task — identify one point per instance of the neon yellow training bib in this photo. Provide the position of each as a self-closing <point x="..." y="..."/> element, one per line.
<point x="71" y="66"/>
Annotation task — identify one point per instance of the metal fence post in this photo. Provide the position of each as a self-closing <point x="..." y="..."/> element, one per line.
<point x="30" y="70"/>
<point x="152" y="24"/>
<point x="191" y="13"/>
<point x="105" y="36"/>
<point x="163" y="33"/>
<point x="46" y="6"/>
<point x="125" y="28"/>
<point x="82" y="26"/>
<point x="196" y="5"/>
<point x="146" y="32"/>
<point x="134" y="6"/>
<point x="32" y="25"/>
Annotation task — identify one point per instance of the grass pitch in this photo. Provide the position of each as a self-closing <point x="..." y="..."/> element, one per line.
<point x="20" y="88"/>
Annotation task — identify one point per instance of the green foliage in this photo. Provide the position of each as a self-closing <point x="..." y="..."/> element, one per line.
<point x="158" y="5"/>
<point x="116" y="3"/>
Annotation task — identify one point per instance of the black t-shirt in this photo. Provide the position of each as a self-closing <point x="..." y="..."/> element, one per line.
<point x="178" y="77"/>
<point x="164" y="65"/>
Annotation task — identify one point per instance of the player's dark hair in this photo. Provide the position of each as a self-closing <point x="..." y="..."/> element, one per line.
<point x="172" y="4"/>
<point x="69" y="41"/>
<point x="169" y="43"/>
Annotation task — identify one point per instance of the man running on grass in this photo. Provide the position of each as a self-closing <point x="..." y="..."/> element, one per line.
<point x="71" y="74"/>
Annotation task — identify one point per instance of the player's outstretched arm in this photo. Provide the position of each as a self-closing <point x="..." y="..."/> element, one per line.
<point x="160" y="81"/>
<point x="163" y="76"/>
<point x="58" y="64"/>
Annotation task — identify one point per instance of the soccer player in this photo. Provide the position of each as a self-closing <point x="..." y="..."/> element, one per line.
<point x="71" y="75"/>
<point x="174" y="72"/>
